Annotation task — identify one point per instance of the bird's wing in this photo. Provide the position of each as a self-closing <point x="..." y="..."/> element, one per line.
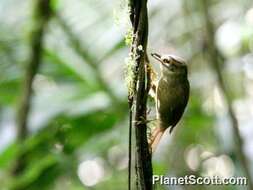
<point x="178" y="110"/>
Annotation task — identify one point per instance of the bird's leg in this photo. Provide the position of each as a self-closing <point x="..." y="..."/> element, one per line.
<point x="144" y="121"/>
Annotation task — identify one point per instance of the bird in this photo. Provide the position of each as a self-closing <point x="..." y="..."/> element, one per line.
<point x="171" y="95"/>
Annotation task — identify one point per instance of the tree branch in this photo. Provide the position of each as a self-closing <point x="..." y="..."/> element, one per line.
<point x="216" y="60"/>
<point x="42" y="14"/>
<point x="143" y="165"/>
<point x="86" y="56"/>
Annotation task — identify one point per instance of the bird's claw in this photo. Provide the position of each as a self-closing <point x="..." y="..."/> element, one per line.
<point x="144" y="121"/>
<point x="141" y="121"/>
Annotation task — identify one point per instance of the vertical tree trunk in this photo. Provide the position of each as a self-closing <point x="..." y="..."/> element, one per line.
<point x="143" y="165"/>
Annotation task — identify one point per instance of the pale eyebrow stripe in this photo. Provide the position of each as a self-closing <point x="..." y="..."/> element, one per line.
<point x="179" y="63"/>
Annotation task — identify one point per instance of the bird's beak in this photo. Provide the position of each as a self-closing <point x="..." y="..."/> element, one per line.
<point x="157" y="57"/>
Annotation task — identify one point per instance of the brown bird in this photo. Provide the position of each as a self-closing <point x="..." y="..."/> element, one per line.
<point x="171" y="95"/>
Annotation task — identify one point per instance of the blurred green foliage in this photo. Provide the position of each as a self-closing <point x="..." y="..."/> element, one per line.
<point x="79" y="105"/>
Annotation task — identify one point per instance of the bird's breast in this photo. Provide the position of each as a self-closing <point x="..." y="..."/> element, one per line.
<point x="172" y="90"/>
<point x="172" y="95"/>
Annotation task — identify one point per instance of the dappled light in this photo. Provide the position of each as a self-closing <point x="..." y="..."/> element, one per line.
<point x="72" y="72"/>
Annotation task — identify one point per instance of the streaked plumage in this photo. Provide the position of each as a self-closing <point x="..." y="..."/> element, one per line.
<point x="172" y="94"/>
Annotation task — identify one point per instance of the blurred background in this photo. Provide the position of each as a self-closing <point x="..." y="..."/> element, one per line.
<point x="77" y="127"/>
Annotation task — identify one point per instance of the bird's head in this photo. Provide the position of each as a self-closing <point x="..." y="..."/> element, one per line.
<point x="171" y="64"/>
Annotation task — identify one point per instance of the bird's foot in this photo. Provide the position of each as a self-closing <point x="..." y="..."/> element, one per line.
<point x="144" y="121"/>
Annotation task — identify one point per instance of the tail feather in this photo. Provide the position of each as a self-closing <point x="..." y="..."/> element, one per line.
<point x="156" y="137"/>
<point x="153" y="135"/>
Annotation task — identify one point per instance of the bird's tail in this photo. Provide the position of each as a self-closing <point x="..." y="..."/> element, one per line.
<point x="156" y="137"/>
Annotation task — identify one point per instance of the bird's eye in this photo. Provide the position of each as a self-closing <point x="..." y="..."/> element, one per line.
<point x="166" y="61"/>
